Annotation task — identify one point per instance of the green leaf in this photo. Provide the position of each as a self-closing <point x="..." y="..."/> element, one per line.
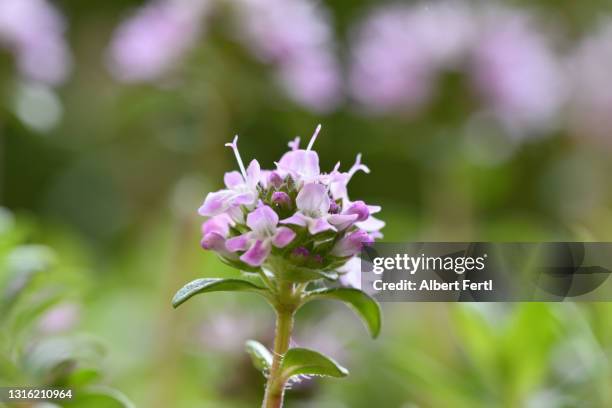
<point x="254" y="278"/>
<point x="301" y="361"/>
<point x="366" y="307"/>
<point x="260" y="355"/>
<point x="214" y="285"/>
<point x="99" y="397"/>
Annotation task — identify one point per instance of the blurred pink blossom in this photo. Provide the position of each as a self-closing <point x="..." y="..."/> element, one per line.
<point x="516" y="72"/>
<point x="398" y="51"/>
<point x="149" y="43"/>
<point x="60" y="318"/>
<point x="34" y="32"/>
<point x="590" y="68"/>
<point x="295" y="36"/>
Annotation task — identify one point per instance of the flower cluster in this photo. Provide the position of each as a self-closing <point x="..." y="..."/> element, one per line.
<point x="292" y="218"/>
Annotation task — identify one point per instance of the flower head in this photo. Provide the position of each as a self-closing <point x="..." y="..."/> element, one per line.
<point x="295" y="214"/>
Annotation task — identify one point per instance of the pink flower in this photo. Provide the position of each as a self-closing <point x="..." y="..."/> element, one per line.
<point x="241" y="188"/>
<point x="295" y="37"/>
<point x="264" y="233"/>
<point x="149" y="43"/>
<point x="34" y="31"/>
<point x="215" y="232"/>
<point x="244" y="226"/>
<point x="352" y="244"/>
<point x="313" y="208"/>
<point x="302" y="165"/>
<point x="398" y="51"/>
<point x="517" y="74"/>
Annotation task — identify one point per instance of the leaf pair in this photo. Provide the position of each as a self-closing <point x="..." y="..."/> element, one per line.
<point x="362" y="304"/>
<point x="297" y="361"/>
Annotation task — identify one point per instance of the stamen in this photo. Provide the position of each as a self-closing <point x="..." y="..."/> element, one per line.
<point x="314" y="137"/>
<point x="234" y="146"/>
<point x="295" y="143"/>
<point x="357" y="166"/>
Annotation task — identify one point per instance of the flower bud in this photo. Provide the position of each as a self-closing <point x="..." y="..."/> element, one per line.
<point x="359" y="208"/>
<point x="318" y="259"/>
<point x="275" y="180"/>
<point x="334" y="208"/>
<point x="213" y="241"/>
<point x="301" y="252"/>
<point x="281" y="199"/>
<point x="300" y="255"/>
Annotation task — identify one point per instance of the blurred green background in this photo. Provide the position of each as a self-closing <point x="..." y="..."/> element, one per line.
<point x="110" y="138"/>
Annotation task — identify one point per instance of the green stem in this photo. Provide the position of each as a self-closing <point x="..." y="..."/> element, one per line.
<point x="275" y="387"/>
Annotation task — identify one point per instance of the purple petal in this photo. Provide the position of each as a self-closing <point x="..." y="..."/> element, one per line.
<point x="359" y="208"/>
<point x="296" y="219"/>
<point x="219" y="224"/>
<point x="376" y="235"/>
<point x="351" y="244"/>
<point x="247" y="198"/>
<point x="256" y="255"/>
<point x="301" y="163"/>
<point x="233" y="179"/>
<point x="235" y="214"/>
<point x="371" y="224"/>
<point x="337" y="185"/>
<point x="215" y="203"/>
<point x="263" y="221"/>
<point x="283" y="237"/>
<point x="318" y="225"/>
<point x="213" y="241"/>
<point x="313" y="199"/>
<point x="239" y="243"/>
<point x="253" y="173"/>
<point x="342" y="221"/>
<point x="274" y="179"/>
<point x="374" y="209"/>
<point x="351" y="273"/>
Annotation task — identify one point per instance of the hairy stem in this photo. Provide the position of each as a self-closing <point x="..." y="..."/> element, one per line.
<point x="275" y="387"/>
